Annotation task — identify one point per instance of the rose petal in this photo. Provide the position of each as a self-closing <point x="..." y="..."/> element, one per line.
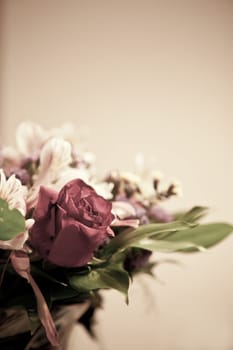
<point x="69" y="229"/>
<point x="42" y="195"/>
<point x="110" y="232"/>
<point x="77" y="190"/>
<point x="75" y="245"/>
<point x="46" y="197"/>
<point x="41" y="236"/>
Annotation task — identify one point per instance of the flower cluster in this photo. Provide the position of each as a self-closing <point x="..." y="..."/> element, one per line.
<point x="70" y="234"/>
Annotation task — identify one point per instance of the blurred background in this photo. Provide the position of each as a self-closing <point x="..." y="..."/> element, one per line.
<point x="141" y="76"/>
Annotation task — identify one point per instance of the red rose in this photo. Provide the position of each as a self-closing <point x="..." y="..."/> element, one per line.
<point x="71" y="225"/>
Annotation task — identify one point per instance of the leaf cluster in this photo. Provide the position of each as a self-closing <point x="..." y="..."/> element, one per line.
<point x="106" y="271"/>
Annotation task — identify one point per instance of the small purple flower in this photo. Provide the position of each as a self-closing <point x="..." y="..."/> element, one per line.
<point x="136" y="259"/>
<point x="22" y="175"/>
<point x="159" y="214"/>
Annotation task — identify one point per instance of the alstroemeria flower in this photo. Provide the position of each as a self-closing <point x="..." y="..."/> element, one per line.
<point x="123" y="209"/>
<point x="102" y="188"/>
<point x="55" y="157"/>
<point x="10" y="159"/>
<point x="30" y="138"/>
<point x="125" y="214"/>
<point x="67" y="132"/>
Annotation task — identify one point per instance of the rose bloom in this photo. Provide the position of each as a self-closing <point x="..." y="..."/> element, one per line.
<point x="70" y="225"/>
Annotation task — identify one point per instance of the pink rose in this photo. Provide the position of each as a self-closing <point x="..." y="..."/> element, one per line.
<point x="70" y="225"/>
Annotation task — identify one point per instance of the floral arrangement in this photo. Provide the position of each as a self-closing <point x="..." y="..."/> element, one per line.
<point x="65" y="234"/>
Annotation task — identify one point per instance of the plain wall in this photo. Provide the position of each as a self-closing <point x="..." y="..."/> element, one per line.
<point x="149" y="76"/>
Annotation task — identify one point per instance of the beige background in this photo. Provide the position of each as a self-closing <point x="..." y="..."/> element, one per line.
<point x="150" y="76"/>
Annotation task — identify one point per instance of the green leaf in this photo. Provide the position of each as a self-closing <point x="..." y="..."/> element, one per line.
<point x="205" y="235"/>
<point x="110" y="276"/>
<point x="165" y="246"/>
<point x="12" y="221"/>
<point x="129" y="237"/>
<point x="193" y="215"/>
<point x="60" y="292"/>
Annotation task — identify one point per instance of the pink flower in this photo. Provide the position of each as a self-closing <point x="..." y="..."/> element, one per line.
<point x="71" y="225"/>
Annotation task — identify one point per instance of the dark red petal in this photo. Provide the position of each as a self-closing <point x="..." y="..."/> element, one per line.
<point x="73" y="247"/>
<point x="43" y="231"/>
<point x="45" y="199"/>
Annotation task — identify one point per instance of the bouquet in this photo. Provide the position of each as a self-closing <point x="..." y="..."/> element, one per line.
<point x="66" y="234"/>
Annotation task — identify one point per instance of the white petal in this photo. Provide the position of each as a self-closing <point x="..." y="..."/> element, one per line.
<point x="123" y="209"/>
<point x="55" y="155"/>
<point x="10" y="155"/>
<point x="131" y="177"/>
<point x="177" y="189"/>
<point x="67" y="175"/>
<point x="29" y="138"/>
<point x="103" y="189"/>
<point x="89" y="157"/>
<point x="54" y="158"/>
<point x="125" y="222"/>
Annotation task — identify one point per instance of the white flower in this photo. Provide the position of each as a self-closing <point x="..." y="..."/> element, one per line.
<point x="177" y="189"/>
<point x="123" y="210"/>
<point x="144" y="166"/>
<point x="75" y="136"/>
<point x="30" y="137"/>
<point x="103" y="189"/>
<point x="67" y="131"/>
<point x="131" y="177"/>
<point x="12" y="191"/>
<point x="145" y="170"/>
<point x="55" y="157"/>
<point x="89" y="157"/>
<point x="10" y="157"/>
<point x="67" y="175"/>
